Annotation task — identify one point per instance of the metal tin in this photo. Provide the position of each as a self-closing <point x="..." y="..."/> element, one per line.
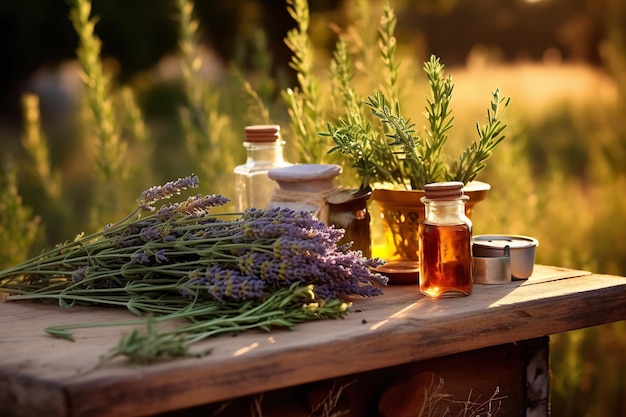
<point x="496" y="270"/>
<point x="522" y="251"/>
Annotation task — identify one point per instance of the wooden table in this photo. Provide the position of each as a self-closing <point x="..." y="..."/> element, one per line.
<point x="488" y="348"/>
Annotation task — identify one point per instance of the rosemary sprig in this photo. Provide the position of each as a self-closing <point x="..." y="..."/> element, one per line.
<point x="472" y="160"/>
<point x="406" y="147"/>
<point x="440" y="119"/>
<point x="387" y="46"/>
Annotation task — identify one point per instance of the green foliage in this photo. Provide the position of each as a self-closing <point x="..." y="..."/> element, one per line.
<point x="36" y="147"/>
<point x="18" y="226"/>
<point x="103" y="128"/>
<point x="473" y="159"/>
<point x="387" y="45"/>
<point x="207" y="130"/>
<point x="393" y="153"/>
<point x="591" y="368"/>
<point x="304" y="103"/>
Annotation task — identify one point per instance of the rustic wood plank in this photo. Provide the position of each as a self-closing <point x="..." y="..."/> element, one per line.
<point x="399" y="327"/>
<point x="479" y="381"/>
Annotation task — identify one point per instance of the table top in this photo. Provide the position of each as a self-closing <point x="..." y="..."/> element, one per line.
<point x="55" y="377"/>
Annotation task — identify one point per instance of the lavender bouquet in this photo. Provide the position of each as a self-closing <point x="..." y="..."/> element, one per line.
<point x="221" y="272"/>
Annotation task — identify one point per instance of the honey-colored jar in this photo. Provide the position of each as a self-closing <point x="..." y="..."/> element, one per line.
<point x="445" y="242"/>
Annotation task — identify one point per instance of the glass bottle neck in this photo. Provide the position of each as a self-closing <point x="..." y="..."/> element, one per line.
<point x="446" y="211"/>
<point x="264" y="153"/>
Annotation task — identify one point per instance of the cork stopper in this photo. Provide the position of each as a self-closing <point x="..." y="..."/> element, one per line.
<point x="450" y="190"/>
<point x="262" y="133"/>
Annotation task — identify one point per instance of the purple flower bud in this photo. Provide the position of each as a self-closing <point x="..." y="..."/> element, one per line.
<point x="170" y="188"/>
<point x="159" y="256"/>
<point x="199" y="205"/>
<point x="140" y="258"/>
<point x="225" y="284"/>
<point x="79" y="274"/>
<point x="148" y="234"/>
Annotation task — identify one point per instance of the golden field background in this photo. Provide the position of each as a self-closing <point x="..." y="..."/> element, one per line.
<point x="559" y="176"/>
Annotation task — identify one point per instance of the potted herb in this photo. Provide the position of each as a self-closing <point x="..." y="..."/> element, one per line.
<point x="388" y="154"/>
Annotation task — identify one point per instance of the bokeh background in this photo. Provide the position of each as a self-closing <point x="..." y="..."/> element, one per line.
<point x="179" y="97"/>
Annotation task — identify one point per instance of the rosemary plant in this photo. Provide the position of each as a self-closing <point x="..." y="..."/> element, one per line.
<point x="226" y="272"/>
<point x="392" y="152"/>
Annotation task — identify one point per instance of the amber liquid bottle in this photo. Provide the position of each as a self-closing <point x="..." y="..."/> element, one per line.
<point x="445" y="242"/>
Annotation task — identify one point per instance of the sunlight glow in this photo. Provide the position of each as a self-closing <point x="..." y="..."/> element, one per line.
<point x="394" y="315"/>
<point x="246" y="349"/>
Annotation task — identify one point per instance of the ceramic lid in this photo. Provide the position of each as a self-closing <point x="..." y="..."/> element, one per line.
<point x="304" y="172"/>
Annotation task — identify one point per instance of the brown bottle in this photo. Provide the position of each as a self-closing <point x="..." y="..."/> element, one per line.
<point x="445" y="242"/>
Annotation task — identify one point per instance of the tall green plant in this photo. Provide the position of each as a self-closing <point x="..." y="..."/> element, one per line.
<point x="18" y="225"/>
<point x="304" y="104"/>
<point x="36" y="147"/>
<point x="102" y="124"/>
<point x="387" y="45"/>
<point x="208" y="132"/>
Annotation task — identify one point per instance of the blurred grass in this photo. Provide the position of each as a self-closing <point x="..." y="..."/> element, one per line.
<point x="560" y="175"/>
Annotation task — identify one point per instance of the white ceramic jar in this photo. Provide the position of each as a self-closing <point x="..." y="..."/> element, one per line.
<point x="304" y="187"/>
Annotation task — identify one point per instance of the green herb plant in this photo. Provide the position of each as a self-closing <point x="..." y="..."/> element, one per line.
<point x="391" y="152"/>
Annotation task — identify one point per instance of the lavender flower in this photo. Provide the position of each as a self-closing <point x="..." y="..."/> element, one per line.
<point x="224" y="284"/>
<point x="166" y="212"/>
<point x="281" y="221"/>
<point x="231" y="271"/>
<point x="161" y="192"/>
<point x="199" y="205"/>
<point x="140" y="258"/>
<point x="79" y="274"/>
<point x="159" y="256"/>
<point x="226" y="257"/>
<point x="150" y="233"/>
<point x="304" y="251"/>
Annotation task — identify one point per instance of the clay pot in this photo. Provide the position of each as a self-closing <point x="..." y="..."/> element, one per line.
<point x="401" y="212"/>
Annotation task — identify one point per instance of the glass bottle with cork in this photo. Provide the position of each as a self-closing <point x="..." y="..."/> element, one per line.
<point x="264" y="146"/>
<point x="445" y="242"/>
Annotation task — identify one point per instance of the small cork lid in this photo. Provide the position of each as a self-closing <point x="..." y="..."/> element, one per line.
<point x="450" y="190"/>
<point x="262" y="133"/>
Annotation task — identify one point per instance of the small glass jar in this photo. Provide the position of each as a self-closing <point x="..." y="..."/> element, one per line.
<point x="445" y="242"/>
<point x="253" y="187"/>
